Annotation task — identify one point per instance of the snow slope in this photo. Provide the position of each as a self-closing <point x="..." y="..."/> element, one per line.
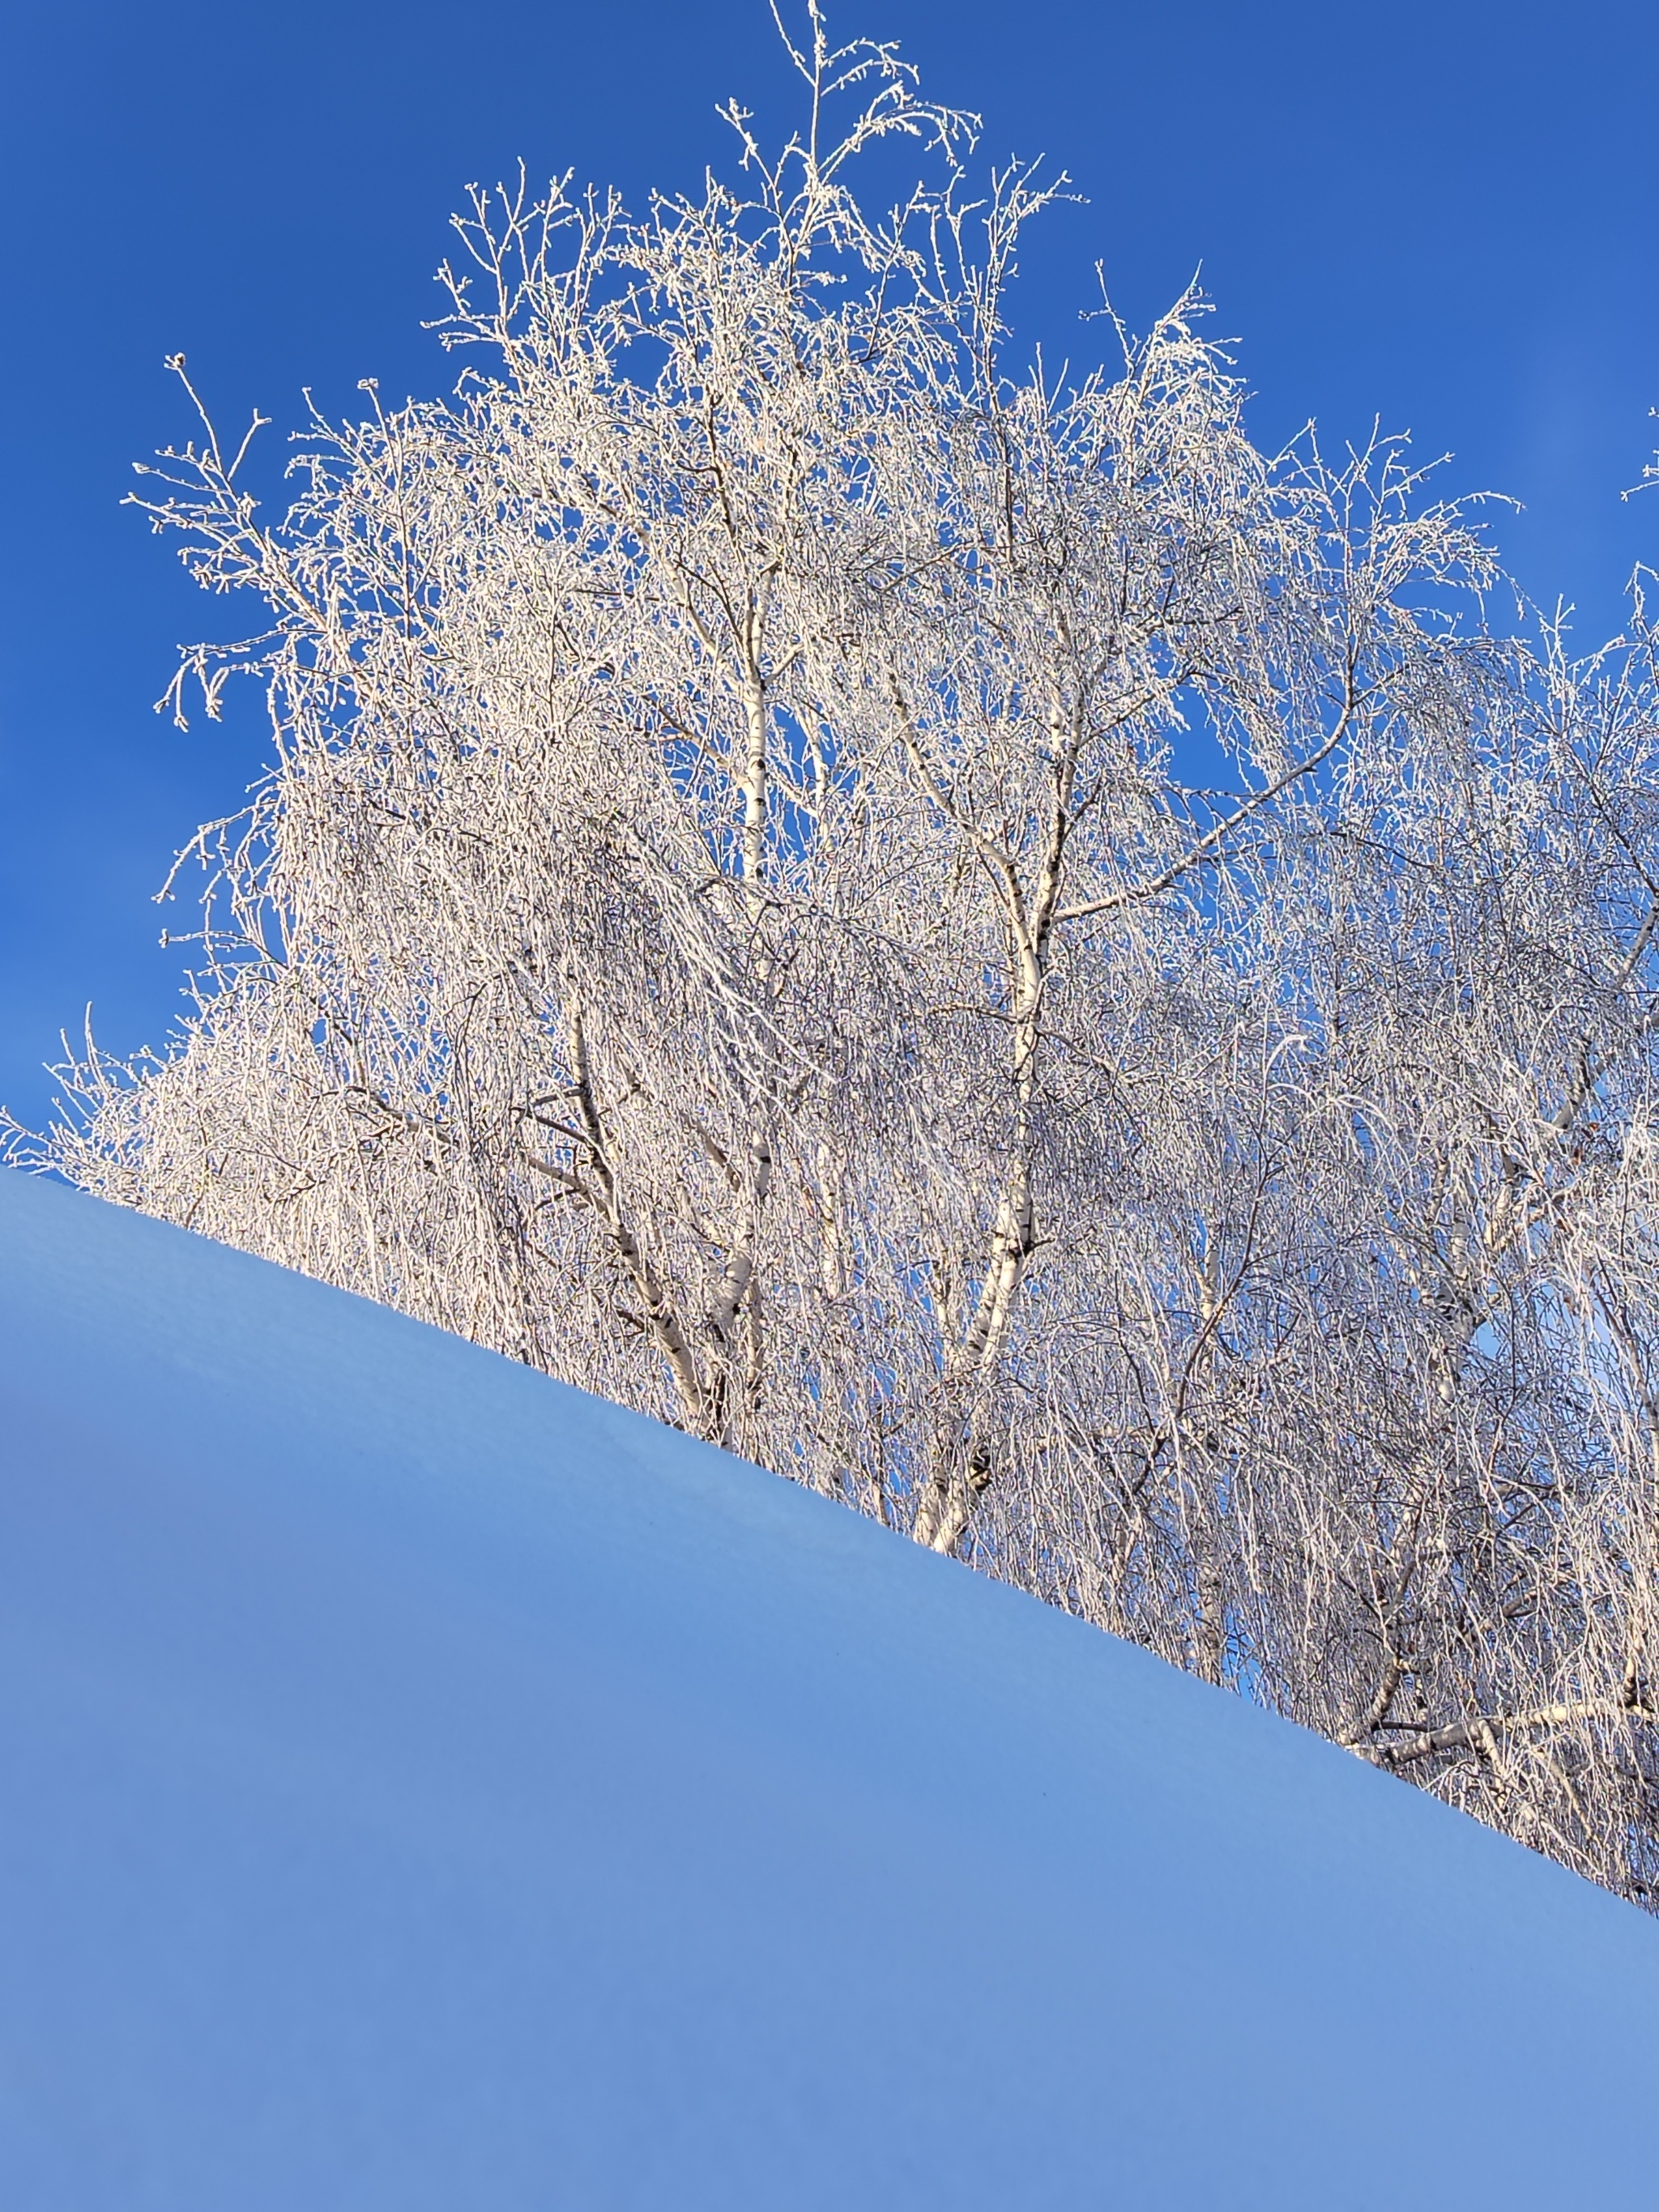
<point x="425" y="1787"/>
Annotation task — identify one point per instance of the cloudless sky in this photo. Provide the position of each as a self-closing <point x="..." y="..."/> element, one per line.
<point x="1446" y="215"/>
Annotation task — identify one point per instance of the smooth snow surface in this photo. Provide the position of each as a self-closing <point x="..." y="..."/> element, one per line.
<point x="426" y="1788"/>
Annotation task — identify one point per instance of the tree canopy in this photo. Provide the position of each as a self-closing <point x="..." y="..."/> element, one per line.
<point x="971" y="936"/>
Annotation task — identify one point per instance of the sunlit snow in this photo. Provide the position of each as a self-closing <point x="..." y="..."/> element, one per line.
<point x="423" y="1787"/>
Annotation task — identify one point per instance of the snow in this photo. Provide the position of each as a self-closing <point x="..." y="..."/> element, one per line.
<point x="425" y="1786"/>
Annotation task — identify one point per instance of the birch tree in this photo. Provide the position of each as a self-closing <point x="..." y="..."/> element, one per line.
<point x="966" y="933"/>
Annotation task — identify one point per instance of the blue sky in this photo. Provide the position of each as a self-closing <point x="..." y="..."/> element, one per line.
<point x="1445" y="214"/>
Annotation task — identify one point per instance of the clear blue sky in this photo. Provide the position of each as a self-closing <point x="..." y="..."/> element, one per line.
<point x="1447" y="215"/>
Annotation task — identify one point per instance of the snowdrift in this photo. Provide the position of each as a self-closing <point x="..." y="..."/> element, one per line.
<point x="426" y="1787"/>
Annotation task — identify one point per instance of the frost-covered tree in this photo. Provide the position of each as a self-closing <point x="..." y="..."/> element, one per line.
<point x="733" y="921"/>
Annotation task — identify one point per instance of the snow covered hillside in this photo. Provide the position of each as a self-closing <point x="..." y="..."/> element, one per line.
<point x="426" y="1788"/>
